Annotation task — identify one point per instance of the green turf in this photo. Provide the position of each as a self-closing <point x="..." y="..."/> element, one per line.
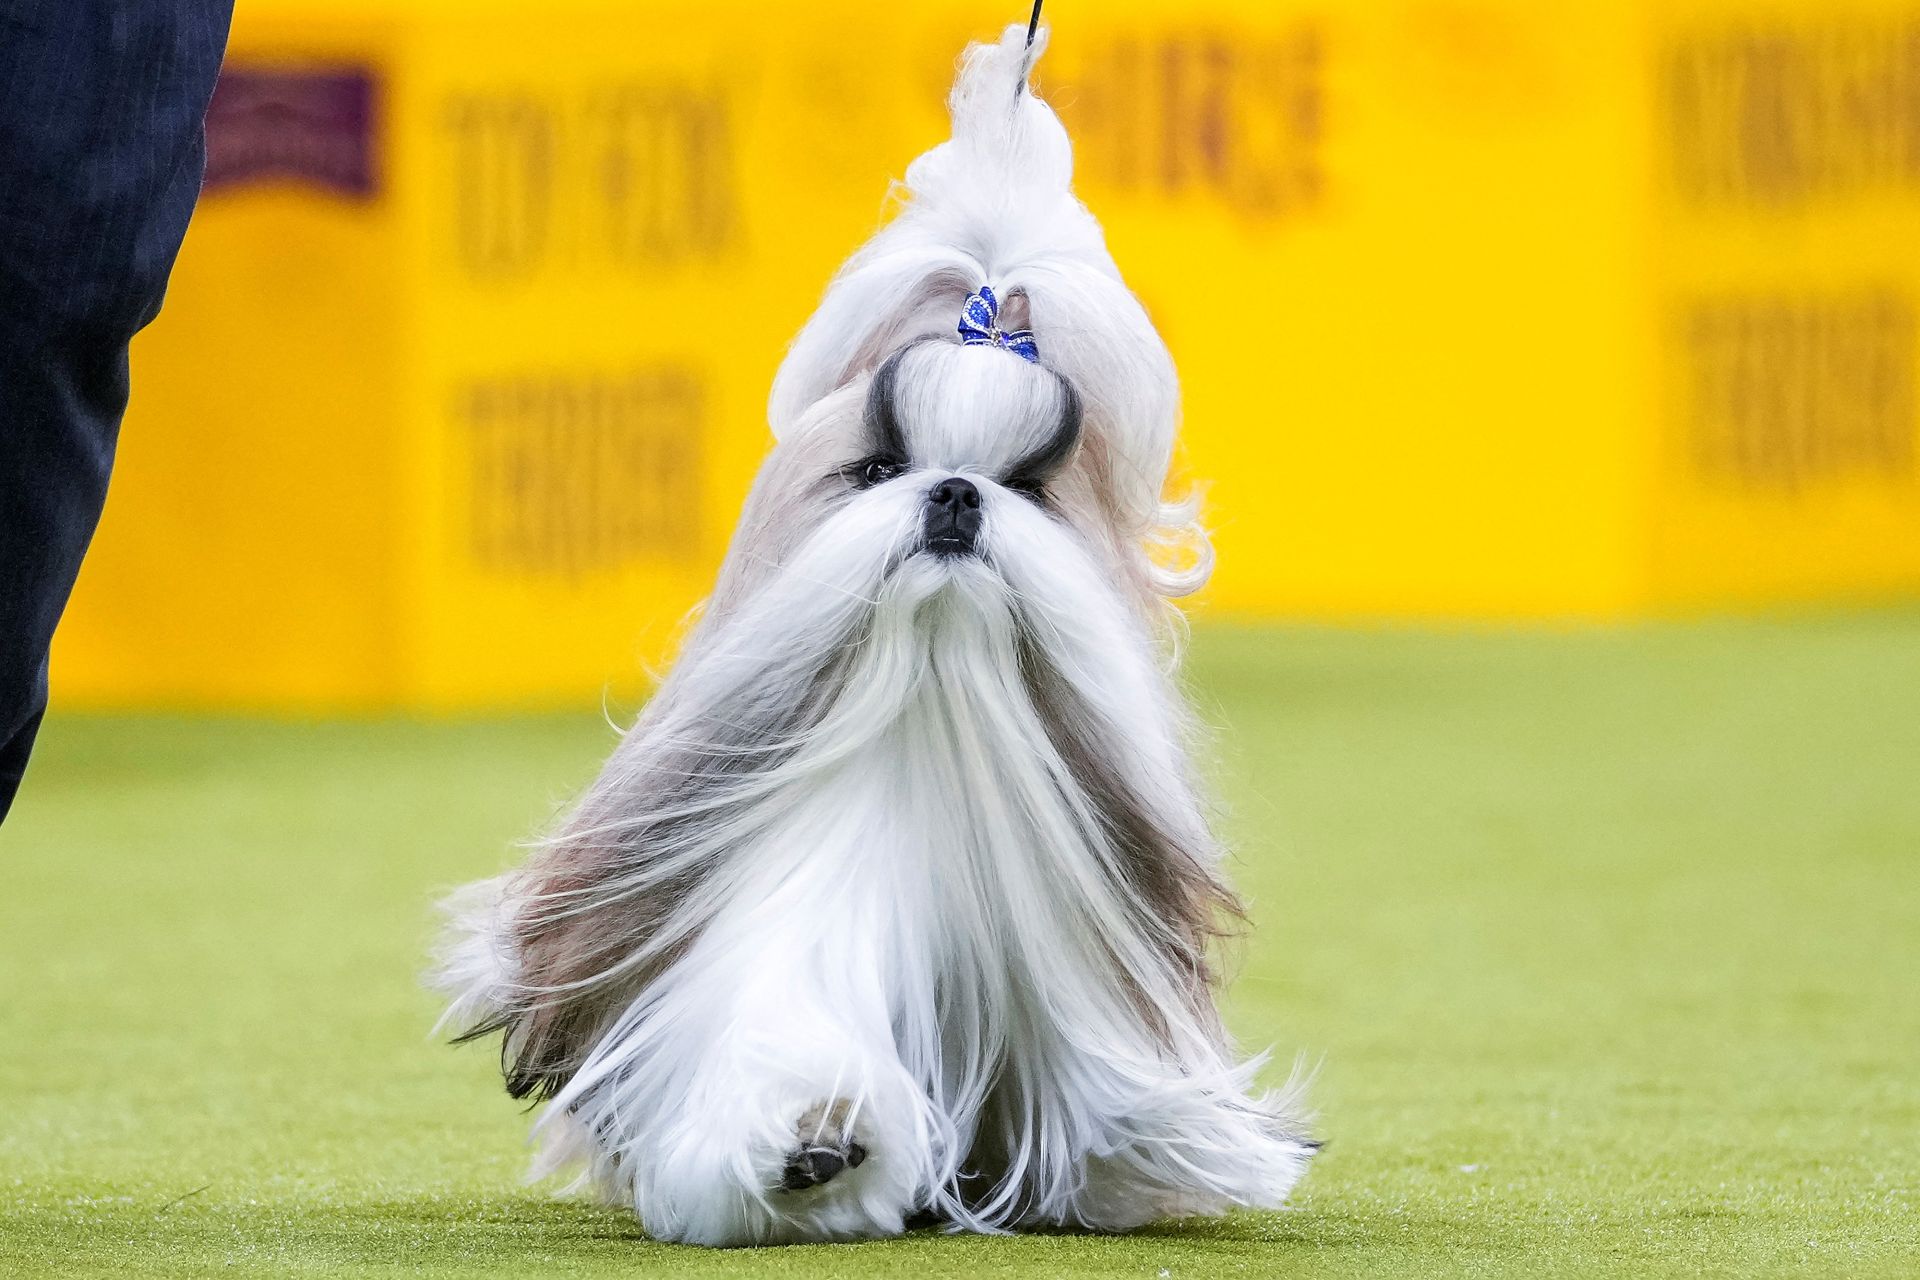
<point x="1607" y="945"/>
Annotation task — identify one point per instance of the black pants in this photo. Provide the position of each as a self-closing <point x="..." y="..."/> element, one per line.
<point x="102" y="110"/>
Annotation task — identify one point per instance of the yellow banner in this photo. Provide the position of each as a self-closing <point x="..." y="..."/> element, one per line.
<point x="1483" y="310"/>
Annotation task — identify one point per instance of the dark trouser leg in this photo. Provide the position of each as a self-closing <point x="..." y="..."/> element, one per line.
<point x="102" y="104"/>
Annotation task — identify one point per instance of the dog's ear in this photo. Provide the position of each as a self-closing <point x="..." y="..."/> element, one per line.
<point x="551" y="955"/>
<point x="583" y="946"/>
<point x="605" y="903"/>
<point x="1167" y="859"/>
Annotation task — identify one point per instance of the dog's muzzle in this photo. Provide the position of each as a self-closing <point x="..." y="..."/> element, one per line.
<point x="953" y="517"/>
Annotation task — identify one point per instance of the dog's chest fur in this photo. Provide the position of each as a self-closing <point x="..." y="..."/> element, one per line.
<point x="960" y="840"/>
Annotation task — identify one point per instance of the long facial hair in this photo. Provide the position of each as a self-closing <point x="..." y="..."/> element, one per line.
<point x="937" y="801"/>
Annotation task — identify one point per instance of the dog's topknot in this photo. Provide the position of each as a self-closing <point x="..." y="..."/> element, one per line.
<point x="994" y="206"/>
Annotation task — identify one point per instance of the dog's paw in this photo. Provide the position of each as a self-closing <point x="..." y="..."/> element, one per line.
<point x="825" y="1146"/>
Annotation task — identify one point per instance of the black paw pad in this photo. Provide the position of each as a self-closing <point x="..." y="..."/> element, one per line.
<point x="813" y="1165"/>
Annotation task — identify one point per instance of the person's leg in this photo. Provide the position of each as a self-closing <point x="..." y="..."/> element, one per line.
<point x="102" y="110"/>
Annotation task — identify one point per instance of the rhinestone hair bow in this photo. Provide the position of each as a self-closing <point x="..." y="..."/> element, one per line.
<point x="980" y="327"/>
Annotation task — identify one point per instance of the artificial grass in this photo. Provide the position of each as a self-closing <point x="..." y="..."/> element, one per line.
<point x="1606" y="944"/>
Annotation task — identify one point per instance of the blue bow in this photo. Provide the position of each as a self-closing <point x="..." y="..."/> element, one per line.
<point x="980" y="327"/>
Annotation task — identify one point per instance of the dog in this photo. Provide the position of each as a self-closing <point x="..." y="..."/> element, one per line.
<point x="896" y="903"/>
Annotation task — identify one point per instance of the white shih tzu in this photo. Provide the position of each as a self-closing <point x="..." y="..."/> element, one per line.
<point x="896" y="902"/>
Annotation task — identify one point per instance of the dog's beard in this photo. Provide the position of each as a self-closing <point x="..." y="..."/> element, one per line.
<point x="892" y="808"/>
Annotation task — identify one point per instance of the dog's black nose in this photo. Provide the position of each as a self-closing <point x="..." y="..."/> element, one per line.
<point x="955" y="492"/>
<point x="953" y="516"/>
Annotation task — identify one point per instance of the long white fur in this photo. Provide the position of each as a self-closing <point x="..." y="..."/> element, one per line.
<point x="897" y="895"/>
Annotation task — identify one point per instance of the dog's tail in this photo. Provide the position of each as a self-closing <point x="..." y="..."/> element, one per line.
<point x="994" y="205"/>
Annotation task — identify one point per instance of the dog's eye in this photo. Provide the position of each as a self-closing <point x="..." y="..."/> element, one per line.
<point x="872" y="471"/>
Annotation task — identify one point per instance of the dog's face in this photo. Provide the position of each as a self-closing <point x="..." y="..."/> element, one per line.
<point x="973" y="420"/>
<point x="951" y="464"/>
